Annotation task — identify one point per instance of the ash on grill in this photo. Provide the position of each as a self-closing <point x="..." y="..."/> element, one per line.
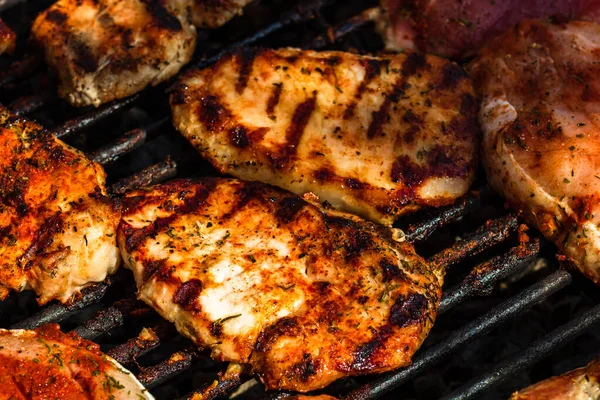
<point x="507" y="305"/>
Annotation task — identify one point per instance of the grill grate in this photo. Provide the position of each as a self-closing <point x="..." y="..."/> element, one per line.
<point x="499" y="248"/>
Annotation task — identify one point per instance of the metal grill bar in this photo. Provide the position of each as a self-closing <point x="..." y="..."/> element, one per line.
<point x="526" y="358"/>
<point x="487" y="274"/>
<point x="153" y="376"/>
<point x="58" y="312"/>
<point x="128" y="352"/>
<point x="488" y="235"/>
<point x="420" y="231"/>
<point x="19" y="69"/>
<point x="102" y="322"/>
<point x="91" y="118"/>
<point x="150" y="176"/>
<point x="498" y="315"/>
<point x="28" y="104"/>
<point x="344" y="29"/>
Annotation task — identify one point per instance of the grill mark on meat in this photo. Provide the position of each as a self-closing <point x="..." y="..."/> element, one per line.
<point x="287" y="326"/>
<point x="408" y="310"/>
<point x="410" y="66"/>
<point x="187" y="293"/>
<point x="248" y="192"/>
<point x="391" y="271"/>
<point x="452" y="74"/>
<point x="372" y="70"/>
<point x="299" y="121"/>
<point x="274" y="98"/>
<point x="136" y="236"/>
<point x="56" y="16"/>
<point x="238" y="136"/>
<point x="43" y="238"/>
<point x="162" y="15"/>
<point x="358" y="242"/>
<point x="441" y="161"/>
<point x="151" y="268"/>
<point x="288" y="208"/>
<point x="305" y="368"/>
<point x="365" y="354"/>
<point x="83" y="56"/>
<point x="245" y="59"/>
<point x="213" y="113"/>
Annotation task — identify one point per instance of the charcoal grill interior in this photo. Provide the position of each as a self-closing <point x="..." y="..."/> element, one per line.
<point x="510" y="315"/>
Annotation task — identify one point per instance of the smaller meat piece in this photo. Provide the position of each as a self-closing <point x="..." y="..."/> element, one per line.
<point x="214" y="13"/>
<point x="48" y="364"/>
<point x="580" y="384"/>
<point x="8" y="39"/>
<point x="104" y="50"/>
<point x="459" y="28"/>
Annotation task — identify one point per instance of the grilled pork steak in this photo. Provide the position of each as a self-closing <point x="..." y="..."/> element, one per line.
<point x="302" y="294"/>
<point x="103" y="50"/>
<point x="48" y="364"/>
<point x="540" y="112"/>
<point x="459" y="28"/>
<point x="57" y="225"/>
<point x="378" y="137"/>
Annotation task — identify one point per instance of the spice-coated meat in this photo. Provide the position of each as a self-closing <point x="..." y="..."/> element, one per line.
<point x="377" y="137"/>
<point x="259" y="276"/>
<point x="103" y="50"/>
<point x="57" y="225"/>
<point x="580" y="384"/>
<point x="459" y="28"/>
<point x="540" y="112"/>
<point x="48" y="364"/>
<point x="8" y="39"/>
<point x="214" y="13"/>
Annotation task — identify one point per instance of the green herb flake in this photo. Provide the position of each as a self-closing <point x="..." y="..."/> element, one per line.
<point x="566" y="180"/>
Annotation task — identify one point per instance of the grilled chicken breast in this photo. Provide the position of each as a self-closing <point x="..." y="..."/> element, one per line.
<point x="377" y="137"/>
<point x="8" y="39"/>
<point x="580" y="384"/>
<point x="57" y="225"/>
<point x="459" y="28"/>
<point x="103" y="50"/>
<point x="540" y="110"/>
<point x="214" y="13"/>
<point x="48" y="364"/>
<point x="303" y="294"/>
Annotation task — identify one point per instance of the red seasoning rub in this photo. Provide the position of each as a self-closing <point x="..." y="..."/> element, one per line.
<point x="378" y="137"/>
<point x="259" y="276"/>
<point x="48" y="364"/>
<point x="57" y="224"/>
<point x="540" y="111"/>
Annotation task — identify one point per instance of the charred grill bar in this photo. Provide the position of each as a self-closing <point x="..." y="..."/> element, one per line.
<point x="110" y="313"/>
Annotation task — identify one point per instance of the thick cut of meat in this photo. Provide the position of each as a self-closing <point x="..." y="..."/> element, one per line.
<point x="57" y="225"/>
<point x="540" y="112"/>
<point x="580" y="384"/>
<point x="261" y="277"/>
<point x="8" y="39"/>
<point x="377" y="137"/>
<point x="48" y="364"/>
<point x="459" y="28"/>
<point x="214" y="13"/>
<point x="103" y="50"/>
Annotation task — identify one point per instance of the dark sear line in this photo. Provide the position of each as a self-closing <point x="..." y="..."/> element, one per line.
<point x="372" y="70"/>
<point x="274" y="99"/>
<point x="300" y="119"/>
<point x="245" y="58"/>
<point x="162" y="16"/>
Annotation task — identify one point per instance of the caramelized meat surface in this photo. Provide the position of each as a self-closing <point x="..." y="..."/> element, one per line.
<point x="540" y="113"/>
<point x="259" y="276"/>
<point x="48" y="364"/>
<point x="214" y="13"/>
<point x="580" y="384"/>
<point x="377" y="137"/>
<point x="103" y="50"/>
<point x="8" y="39"/>
<point x="459" y="28"/>
<point x="57" y="225"/>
